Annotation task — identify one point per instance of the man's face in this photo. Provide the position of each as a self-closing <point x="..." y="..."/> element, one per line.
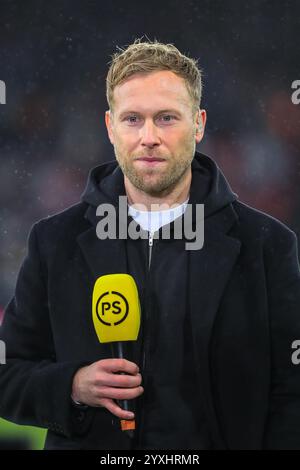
<point x="154" y="131"/>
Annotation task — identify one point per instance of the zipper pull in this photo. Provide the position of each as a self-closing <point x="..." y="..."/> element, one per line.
<point x="150" y="239"/>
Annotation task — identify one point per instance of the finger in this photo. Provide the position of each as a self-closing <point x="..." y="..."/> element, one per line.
<point x="120" y="393"/>
<point x="119" y="365"/>
<point x="115" y="409"/>
<point x="119" y="380"/>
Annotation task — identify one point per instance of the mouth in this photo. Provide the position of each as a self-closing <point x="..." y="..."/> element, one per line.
<point x="150" y="160"/>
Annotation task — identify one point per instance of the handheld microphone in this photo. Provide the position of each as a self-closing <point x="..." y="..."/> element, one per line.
<point x="117" y="316"/>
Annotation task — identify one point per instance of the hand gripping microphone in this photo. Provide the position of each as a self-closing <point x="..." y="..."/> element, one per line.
<point x="117" y="316"/>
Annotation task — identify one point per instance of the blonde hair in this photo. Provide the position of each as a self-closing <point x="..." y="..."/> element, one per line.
<point x="148" y="57"/>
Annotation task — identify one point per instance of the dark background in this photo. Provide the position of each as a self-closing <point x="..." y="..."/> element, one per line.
<point x="54" y="58"/>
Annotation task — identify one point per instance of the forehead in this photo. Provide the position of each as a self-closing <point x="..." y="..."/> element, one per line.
<point x="154" y="90"/>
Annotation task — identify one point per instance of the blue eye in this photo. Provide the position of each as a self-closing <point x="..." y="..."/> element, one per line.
<point x="167" y="118"/>
<point x="131" y="119"/>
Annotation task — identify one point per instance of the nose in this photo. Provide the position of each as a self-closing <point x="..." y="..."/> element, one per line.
<point x="150" y="135"/>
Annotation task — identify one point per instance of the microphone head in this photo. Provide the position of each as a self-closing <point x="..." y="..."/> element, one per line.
<point x="116" y="308"/>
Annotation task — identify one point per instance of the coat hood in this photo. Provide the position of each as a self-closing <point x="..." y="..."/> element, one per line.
<point x="209" y="185"/>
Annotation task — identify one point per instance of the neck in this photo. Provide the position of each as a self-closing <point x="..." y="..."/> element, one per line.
<point x="174" y="197"/>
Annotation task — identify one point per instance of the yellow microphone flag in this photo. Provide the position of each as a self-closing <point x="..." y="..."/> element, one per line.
<point x="116" y="308"/>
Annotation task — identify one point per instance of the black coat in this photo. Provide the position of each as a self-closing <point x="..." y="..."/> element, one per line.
<point x="244" y="295"/>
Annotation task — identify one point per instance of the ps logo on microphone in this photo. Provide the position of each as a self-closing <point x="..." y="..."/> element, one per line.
<point x="116" y="308"/>
<point x="112" y="308"/>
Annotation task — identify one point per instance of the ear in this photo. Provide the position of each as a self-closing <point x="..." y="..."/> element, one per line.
<point x="109" y="125"/>
<point x="200" y="121"/>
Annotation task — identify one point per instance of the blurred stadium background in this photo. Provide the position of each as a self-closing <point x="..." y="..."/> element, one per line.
<point x="54" y="58"/>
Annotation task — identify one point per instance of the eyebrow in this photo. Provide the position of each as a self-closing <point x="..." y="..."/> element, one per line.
<point x="170" y="111"/>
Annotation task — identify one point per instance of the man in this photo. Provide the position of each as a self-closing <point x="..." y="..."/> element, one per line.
<point x="212" y="366"/>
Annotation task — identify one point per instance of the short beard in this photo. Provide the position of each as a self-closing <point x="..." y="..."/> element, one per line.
<point x="164" y="185"/>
